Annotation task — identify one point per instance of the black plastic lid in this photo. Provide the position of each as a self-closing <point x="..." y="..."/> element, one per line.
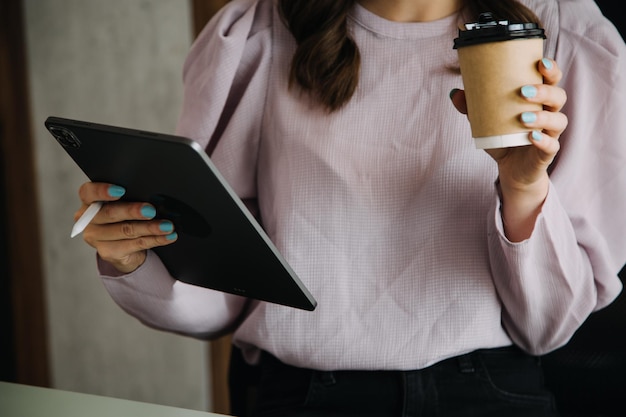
<point x="488" y="29"/>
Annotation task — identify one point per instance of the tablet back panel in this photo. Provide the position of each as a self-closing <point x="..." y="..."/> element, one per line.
<point x="220" y="245"/>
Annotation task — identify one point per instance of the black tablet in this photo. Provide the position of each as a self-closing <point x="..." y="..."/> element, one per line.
<point x="220" y="244"/>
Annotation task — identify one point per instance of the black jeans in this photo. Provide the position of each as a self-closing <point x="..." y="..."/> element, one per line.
<point x="502" y="382"/>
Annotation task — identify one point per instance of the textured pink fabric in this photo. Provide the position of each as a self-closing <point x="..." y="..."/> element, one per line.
<point x="386" y="210"/>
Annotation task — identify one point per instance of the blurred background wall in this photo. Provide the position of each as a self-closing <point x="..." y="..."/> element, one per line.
<point x="114" y="62"/>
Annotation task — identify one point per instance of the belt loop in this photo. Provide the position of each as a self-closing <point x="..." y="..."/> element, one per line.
<point x="466" y="366"/>
<point x="327" y="377"/>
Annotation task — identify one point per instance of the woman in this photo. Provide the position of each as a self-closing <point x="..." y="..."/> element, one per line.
<point x="441" y="271"/>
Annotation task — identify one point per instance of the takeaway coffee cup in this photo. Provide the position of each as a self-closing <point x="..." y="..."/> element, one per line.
<point x="497" y="59"/>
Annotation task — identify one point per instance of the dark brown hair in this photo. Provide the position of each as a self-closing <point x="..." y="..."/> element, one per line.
<point x="327" y="61"/>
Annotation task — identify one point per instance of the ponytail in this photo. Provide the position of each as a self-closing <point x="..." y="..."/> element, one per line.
<point x="327" y="61"/>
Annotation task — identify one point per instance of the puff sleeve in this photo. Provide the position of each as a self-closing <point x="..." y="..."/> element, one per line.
<point x="550" y="283"/>
<point x="224" y="79"/>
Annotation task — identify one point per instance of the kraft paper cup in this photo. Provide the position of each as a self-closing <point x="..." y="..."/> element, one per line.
<point x="497" y="59"/>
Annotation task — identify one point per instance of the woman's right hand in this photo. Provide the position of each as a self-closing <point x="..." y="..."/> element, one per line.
<point x="122" y="231"/>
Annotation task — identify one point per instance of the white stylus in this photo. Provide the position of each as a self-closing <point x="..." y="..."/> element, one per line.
<point x="87" y="216"/>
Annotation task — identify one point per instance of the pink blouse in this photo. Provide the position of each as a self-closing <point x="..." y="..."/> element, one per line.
<point x="385" y="209"/>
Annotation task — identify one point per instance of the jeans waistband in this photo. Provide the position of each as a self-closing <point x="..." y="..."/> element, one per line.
<point x="501" y="381"/>
<point x="465" y="363"/>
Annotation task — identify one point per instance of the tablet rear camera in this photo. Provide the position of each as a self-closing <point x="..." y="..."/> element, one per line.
<point x="65" y="137"/>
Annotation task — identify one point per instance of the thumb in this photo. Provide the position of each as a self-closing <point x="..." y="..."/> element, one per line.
<point x="458" y="100"/>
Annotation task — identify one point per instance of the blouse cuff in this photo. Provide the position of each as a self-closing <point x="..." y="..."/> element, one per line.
<point x="498" y="222"/>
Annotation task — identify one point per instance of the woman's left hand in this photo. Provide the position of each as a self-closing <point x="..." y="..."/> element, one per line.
<point x="522" y="170"/>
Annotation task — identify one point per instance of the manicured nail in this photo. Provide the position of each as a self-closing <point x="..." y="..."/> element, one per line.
<point x="172" y="236"/>
<point x="536" y="135"/>
<point x="453" y="92"/>
<point x="116" y="191"/>
<point x="547" y="63"/>
<point x="148" y="212"/>
<point x="529" y="117"/>
<point x="529" y="91"/>
<point x="166" y="226"/>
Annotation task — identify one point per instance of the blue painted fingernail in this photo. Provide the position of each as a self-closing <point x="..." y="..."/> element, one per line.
<point x="148" y="212"/>
<point x="547" y="63"/>
<point x="537" y="136"/>
<point x="166" y="226"/>
<point x="453" y="92"/>
<point x="529" y="117"/>
<point x="172" y="236"/>
<point x="529" y="91"/>
<point x="116" y="191"/>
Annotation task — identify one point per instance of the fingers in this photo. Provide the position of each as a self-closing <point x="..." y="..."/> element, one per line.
<point x="118" y="242"/>
<point x="122" y="231"/>
<point x="546" y="129"/>
<point x="122" y="211"/>
<point x="552" y="123"/>
<point x="129" y="252"/>
<point x="552" y="97"/>
<point x="549" y="145"/>
<point x="90" y="192"/>
<point x="552" y="74"/>
<point x="123" y="244"/>
<point x="129" y="221"/>
<point x="129" y="230"/>
<point x="549" y="123"/>
<point x="97" y="191"/>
